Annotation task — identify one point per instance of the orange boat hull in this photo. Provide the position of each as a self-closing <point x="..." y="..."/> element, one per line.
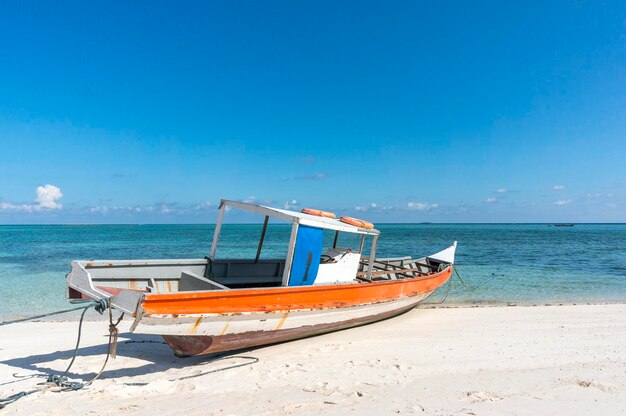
<point x="197" y="323"/>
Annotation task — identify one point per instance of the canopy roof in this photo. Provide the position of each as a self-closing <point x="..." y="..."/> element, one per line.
<point x="299" y="218"/>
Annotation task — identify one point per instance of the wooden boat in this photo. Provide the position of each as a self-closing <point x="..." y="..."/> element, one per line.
<point x="208" y="305"/>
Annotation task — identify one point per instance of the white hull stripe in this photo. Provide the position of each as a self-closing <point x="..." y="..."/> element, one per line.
<point x="224" y="324"/>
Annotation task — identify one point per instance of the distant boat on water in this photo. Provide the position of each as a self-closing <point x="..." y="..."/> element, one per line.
<point x="564" y="225"/>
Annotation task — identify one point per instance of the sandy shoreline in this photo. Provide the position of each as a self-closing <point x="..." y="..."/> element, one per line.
<point x="474" y="360"/>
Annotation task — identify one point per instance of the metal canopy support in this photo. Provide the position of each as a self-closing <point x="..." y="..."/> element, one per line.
<point x="362" y="242"/>
<point x="258" y="250"/>
<point x="218" y="228"/>
<point x="370" y="264"/>
<point x="336" y="237"/>
<point x="300" y="218"/>
<point x="290" y="251"/>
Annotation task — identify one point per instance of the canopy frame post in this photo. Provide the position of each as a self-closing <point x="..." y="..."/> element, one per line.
<point x="218" y="229"/>
<point x="336" y="238"/>
<point x="370" y="263"/>
<point x="258" y="250"/>
<point x="362" y="242"/>
<point x="290" y="253"/>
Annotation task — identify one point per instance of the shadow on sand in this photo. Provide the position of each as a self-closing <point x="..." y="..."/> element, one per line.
<point x="150" y="349"/>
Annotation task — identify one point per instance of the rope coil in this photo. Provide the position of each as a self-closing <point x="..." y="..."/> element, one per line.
<point x="62" y="380"/>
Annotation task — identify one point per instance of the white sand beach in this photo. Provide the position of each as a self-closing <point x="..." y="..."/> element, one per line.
<point x="541" y="360"/>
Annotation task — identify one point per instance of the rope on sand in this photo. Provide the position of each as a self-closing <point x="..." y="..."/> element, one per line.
<point x="62" y="380"/>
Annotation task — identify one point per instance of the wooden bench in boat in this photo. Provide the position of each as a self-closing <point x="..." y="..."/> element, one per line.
<point x="396" y="268"/>
<point x="399" y="271"/>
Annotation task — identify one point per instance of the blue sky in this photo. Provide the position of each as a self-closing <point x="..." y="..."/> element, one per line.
<point x="148" y="112"/>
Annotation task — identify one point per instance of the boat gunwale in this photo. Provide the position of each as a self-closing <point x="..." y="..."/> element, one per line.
<point x="197" y="294"/>
<point x="288" y="298"/>
<point x="256" y="312"/>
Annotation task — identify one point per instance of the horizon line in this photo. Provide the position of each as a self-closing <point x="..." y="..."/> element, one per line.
<point x="287" y="223"/>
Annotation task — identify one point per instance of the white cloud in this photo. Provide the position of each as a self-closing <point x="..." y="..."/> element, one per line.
<point x="491" y="200"/>
<point x="421" y="206"/>
<point x="291" y="204"/>
<point x="558" y="187"/>
<point x="48" y="197"/>
<point x="249" y="199"/>
<point x="373" y="205"/>
<point x="562" y="202"/>
<point x="502" y="190"/>
<point x="100" y="209"/>
<point x="165" y="210"/>
<point x="7" y="206"/>
<point x="204" y="205"/>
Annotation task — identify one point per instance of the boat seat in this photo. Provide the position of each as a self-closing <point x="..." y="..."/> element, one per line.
<point x="190" y="281"/>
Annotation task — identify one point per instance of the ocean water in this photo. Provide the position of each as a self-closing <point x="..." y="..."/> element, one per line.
<point x="529" y="263"/>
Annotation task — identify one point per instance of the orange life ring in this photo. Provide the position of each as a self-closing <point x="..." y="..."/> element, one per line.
<point x="357" y="222"/>
<point x="318" y="213"/>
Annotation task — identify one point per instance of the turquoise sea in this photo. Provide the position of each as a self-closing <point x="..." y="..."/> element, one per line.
<point x="532" y="263"/>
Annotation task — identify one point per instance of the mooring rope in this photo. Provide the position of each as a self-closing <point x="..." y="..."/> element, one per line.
<point x="112" y="349"/>
<point x="465" y="285"/>
<point x="99" y="305"/>
<point x="445" y="295"/>
<point x="62" y="380"/>
<point x="472" y="288"/>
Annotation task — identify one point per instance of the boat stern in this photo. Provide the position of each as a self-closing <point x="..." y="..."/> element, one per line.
<point x="80" y="285"/>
